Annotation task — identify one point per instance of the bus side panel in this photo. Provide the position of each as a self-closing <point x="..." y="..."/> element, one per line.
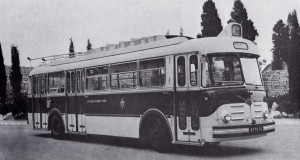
<point x="120" y="114"/>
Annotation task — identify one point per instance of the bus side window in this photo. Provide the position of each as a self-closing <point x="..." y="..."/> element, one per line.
<point x="83" y="80"/>
<point x="181" y="71"/>
<point x="33" y="85"/>
<point x="57" y="82"/>
<point x="193" y="70"/>
<point x="152" y="72"/>
<point x="42" y="84"/>
<point x="68" y="82"/>
<point x="123" y="75"/>
<point x="73" y="82"/>
<point x="97" y="78"/>
<point x="78" y="81"/>
<point x="46" y="84"/>
<point x="38" y="84"/>
<point x="206" y="79"/>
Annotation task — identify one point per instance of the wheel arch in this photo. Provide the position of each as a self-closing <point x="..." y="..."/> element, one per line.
<point x="152" y="113"/>
<point x="55" y="111"/>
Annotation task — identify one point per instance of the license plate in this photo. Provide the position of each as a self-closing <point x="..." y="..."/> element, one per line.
<point x="256" y="129"/>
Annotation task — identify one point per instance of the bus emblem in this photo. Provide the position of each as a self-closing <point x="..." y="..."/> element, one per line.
<point x="122" y="103"/>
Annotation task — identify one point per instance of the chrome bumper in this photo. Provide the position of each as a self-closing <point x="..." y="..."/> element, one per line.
<point x="242" y="130"/>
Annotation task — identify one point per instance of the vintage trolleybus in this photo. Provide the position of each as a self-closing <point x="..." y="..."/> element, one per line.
<point x="162" y="89"/>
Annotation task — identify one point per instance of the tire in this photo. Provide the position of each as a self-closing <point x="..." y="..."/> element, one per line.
<point x="160" y="138"/>
<point x="57" y="126"/>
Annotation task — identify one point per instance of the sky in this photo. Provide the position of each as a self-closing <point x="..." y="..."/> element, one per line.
<point x="44" y="27"/>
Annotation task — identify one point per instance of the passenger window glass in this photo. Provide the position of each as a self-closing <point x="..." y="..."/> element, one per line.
<point x="46" y="83"/>
<point x="193" y="69"/>
<point x="152" y="72"/>
<point x="78" y="81"/>
<point x="42" y="84"/>
<point x="83" y="80"/>
<point x="38" y="85"/>
<point x="73" y="82"/>
<point x="68" y="82"/>
<point x="123" y="76"/>
<point x="97" y="78"/>
<point x="206" y="79"/>
<point x="33" y="84"/>
<point x="181" y="71"/>
<point x="57" y="82"/>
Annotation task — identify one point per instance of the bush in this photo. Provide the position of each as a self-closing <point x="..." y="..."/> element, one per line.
<point x="271" y="100"/>
<point x="284" y="103"/>
<point x="4" y="109"/>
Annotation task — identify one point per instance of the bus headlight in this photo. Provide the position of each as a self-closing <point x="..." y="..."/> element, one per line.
<point x="226" y="116"/>
<point x="266" y="114"/>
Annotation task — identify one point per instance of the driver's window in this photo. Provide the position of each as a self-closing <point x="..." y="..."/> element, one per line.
<point x="193" y="70"/>
<point x="205" y="75"/>
<point x="181" y="71"/>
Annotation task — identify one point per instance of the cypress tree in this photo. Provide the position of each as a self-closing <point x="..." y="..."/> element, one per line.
<point x="240" y="15"/>
<point x="89" y="45"/>
<point x="71" y="48"/>
<point x="16" y="79"/>
<point x="211" y="23"/>
<point x="293" y="59"/>
<point x="280" y="40"/>
<point x="3" y="79"/>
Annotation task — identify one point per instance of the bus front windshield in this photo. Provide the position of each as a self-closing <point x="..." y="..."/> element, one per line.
<point x="250" y="71"/>
<point x="227" y="70"/>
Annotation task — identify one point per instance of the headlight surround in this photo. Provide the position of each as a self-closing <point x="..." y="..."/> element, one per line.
<point x="266" y="114"/>
<point x="226" y="116"/>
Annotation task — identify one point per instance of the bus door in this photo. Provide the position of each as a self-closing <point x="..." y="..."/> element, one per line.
<point x="80" y="89"/>
<point x="75" y="119"/>
<point x="36" y="102"/>
<point x="187" y="89"/>
<point x="71" y="114"/>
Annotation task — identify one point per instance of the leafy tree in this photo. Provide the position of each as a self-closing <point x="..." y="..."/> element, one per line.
<point x="280" y="40"/>
<point x="293" y="59"/>
<point x="3" y="79"/>
<point x="71" y="48"/>
<point x="89" y="45"/>
<point x="211" y="23"/>
<point x="240" y="15"/>
<point x="16" y="80"/>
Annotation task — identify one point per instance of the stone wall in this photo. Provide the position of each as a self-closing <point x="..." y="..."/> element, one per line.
<point x="276" y="82"/>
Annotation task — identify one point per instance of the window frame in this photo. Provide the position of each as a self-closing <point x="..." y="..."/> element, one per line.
<point x="98" y="75"/>
<point x="117" y="73"/>
<point x="64" y="83"/>
<point x="139" y="74"/>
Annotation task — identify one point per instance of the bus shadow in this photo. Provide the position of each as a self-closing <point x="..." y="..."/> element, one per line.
<point x="195" y="151"/>
<point x="98" y="139"/>
<point x="215" y="151"/>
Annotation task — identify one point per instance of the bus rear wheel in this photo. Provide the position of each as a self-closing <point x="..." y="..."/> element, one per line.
<point x="57" y="126"/>
<point x="160" y="138"/>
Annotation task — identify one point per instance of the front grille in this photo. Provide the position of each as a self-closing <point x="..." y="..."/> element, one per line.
<point x="257" y="110"/>
<point x="237" y="113"/>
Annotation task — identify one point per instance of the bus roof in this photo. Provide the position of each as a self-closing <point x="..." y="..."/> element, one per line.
<point x="165" y="47"/>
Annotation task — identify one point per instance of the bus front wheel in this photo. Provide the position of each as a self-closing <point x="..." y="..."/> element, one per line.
<point x="57" y="126"/>
<point x="160" y="138"/>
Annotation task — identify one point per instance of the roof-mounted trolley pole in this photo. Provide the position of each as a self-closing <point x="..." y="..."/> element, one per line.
<point x="54" y="57"/>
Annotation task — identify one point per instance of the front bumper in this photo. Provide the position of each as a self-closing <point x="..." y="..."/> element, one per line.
<point x="242" y="130"/>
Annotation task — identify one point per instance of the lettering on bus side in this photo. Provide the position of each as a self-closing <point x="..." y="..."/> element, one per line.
<point x="96" y="101"/>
